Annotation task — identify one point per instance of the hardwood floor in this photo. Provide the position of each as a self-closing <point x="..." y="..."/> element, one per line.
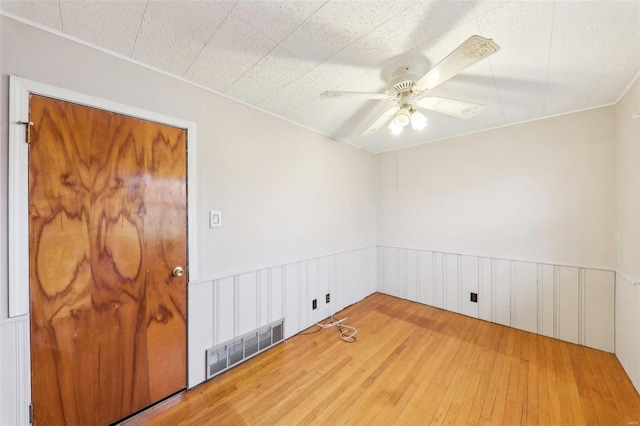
<point x="412" y="364"/>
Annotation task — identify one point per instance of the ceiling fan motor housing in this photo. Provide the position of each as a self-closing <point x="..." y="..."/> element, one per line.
<point x="402" y="81"/>
<point x="403" y="86"/>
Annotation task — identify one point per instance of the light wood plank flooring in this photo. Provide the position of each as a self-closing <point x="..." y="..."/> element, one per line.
<point x="412" y="364"/>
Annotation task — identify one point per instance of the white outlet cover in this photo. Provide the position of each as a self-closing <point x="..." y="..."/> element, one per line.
<point x="215" y="218"/>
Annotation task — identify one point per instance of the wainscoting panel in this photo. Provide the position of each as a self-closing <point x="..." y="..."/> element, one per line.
<point x="599" y="302"/>
<point x="322" y="283"/>
<point x="337" y="284"/>
<point x="380" y="252"/>
<point x="310" y="278"/>
<point x="501" y="291"/>
<point x="438" y="280"/>
<point x="223" y="309"/>
<point x="469" y="283"/>
<point x="426" y="289"/>
<point x="291" y="301"/>
<point x="15" y="371"/>
<point x="225" y="322"/>
<point x="275" y="293"/>
<point x="546" y="300"/>
<point x="485" y="295"/>
<point x="568" y="303"/>
<point x="524" y="296"/>
<point x="450" y="282"/>
<point x="368" y="268"/>
<point x="200" y="326"/>
<point x="246" y="301"/>
<point x="349" y="278"/>
<point x="411" y="290"/>
<point x="567" y="286"/>
<point x="401" y="283"/>
<point x="263" y="296"/>
<point x="391" y="272"/>
<point x="627" y="320"/>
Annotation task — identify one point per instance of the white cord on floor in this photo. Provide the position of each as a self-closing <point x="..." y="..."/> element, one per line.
<point x="347" y="333"/>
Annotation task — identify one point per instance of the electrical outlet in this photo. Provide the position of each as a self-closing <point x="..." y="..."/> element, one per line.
<point x="474" y="297"/>
<point x="314" y="304"/>
<point x="328" y="297"/>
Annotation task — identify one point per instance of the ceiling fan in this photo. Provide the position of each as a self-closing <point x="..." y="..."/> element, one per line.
<point x="410" y="92"/>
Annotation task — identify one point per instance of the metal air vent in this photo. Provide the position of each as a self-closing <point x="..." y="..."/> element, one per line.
<point x="233" y="352"/>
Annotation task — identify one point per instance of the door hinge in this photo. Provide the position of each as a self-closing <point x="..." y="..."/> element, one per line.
<point x="30" y="414"/>
<point x="28" y="124"/>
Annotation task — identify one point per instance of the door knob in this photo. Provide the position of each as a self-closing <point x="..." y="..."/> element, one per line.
<point x="178" y="271"/>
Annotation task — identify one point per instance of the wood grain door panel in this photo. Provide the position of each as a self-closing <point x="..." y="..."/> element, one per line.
<point x="107" y="197"/>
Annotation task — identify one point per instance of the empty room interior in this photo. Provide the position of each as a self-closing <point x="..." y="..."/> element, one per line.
<point x="319" y="212"/>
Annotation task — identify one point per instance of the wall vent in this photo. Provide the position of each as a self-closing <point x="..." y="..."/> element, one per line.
<point x="229" y="354"/>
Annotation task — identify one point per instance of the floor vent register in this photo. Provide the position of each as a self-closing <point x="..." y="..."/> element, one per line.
<point x="227" y="355"/>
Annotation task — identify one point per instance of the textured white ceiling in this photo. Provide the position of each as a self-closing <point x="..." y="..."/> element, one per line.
<point x="556" y="56"/>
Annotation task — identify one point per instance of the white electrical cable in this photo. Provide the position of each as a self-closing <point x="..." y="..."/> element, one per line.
<point x="347" y="335"/>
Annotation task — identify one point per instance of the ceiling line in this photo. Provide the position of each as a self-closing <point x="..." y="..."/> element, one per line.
<point x="195" y="58"/>
<point x="493" y="77"/>
<point x="303" y="22"/>
<point x="546" y="79"/>
<point x="448" y="31"/>
<point x="601" y="73"/>
<point x="139" y="26"/>
<point x="477" y="15"/>
<point x="495" y="84"/>
<point x="60" y="13"/>
<point x="277" y="44"/>
<point x="255" y="63"/>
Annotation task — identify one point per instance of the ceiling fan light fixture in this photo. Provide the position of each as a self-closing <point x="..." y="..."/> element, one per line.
<point x="418" y="120"/>
<point x="395" y="128"/>
<point x="402" y="118"/>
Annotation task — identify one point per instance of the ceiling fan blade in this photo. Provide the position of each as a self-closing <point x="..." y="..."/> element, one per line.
<point x="381" y="121"/>
<point x="452" y="107"/>
<point x="354" y="95"/>
<point x="475" y="49"/>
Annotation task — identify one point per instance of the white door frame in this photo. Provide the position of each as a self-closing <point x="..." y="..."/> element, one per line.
<point x="18" y="200"/>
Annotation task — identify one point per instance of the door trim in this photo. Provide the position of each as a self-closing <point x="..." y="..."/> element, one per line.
<point x="18" y="191"/>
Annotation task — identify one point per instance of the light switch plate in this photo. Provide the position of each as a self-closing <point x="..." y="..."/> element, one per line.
<point x="215" y="218"/>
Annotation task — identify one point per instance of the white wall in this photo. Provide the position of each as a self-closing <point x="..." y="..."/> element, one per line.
<point x="628" y="174"/>
<point x="524" y="215"/>
<point x="628" y="241"/>
<point x="542" y="191"/>
<point x="287" y="194"/>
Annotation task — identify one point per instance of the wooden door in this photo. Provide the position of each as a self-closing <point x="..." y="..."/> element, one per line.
<point x="107" y="205"/>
